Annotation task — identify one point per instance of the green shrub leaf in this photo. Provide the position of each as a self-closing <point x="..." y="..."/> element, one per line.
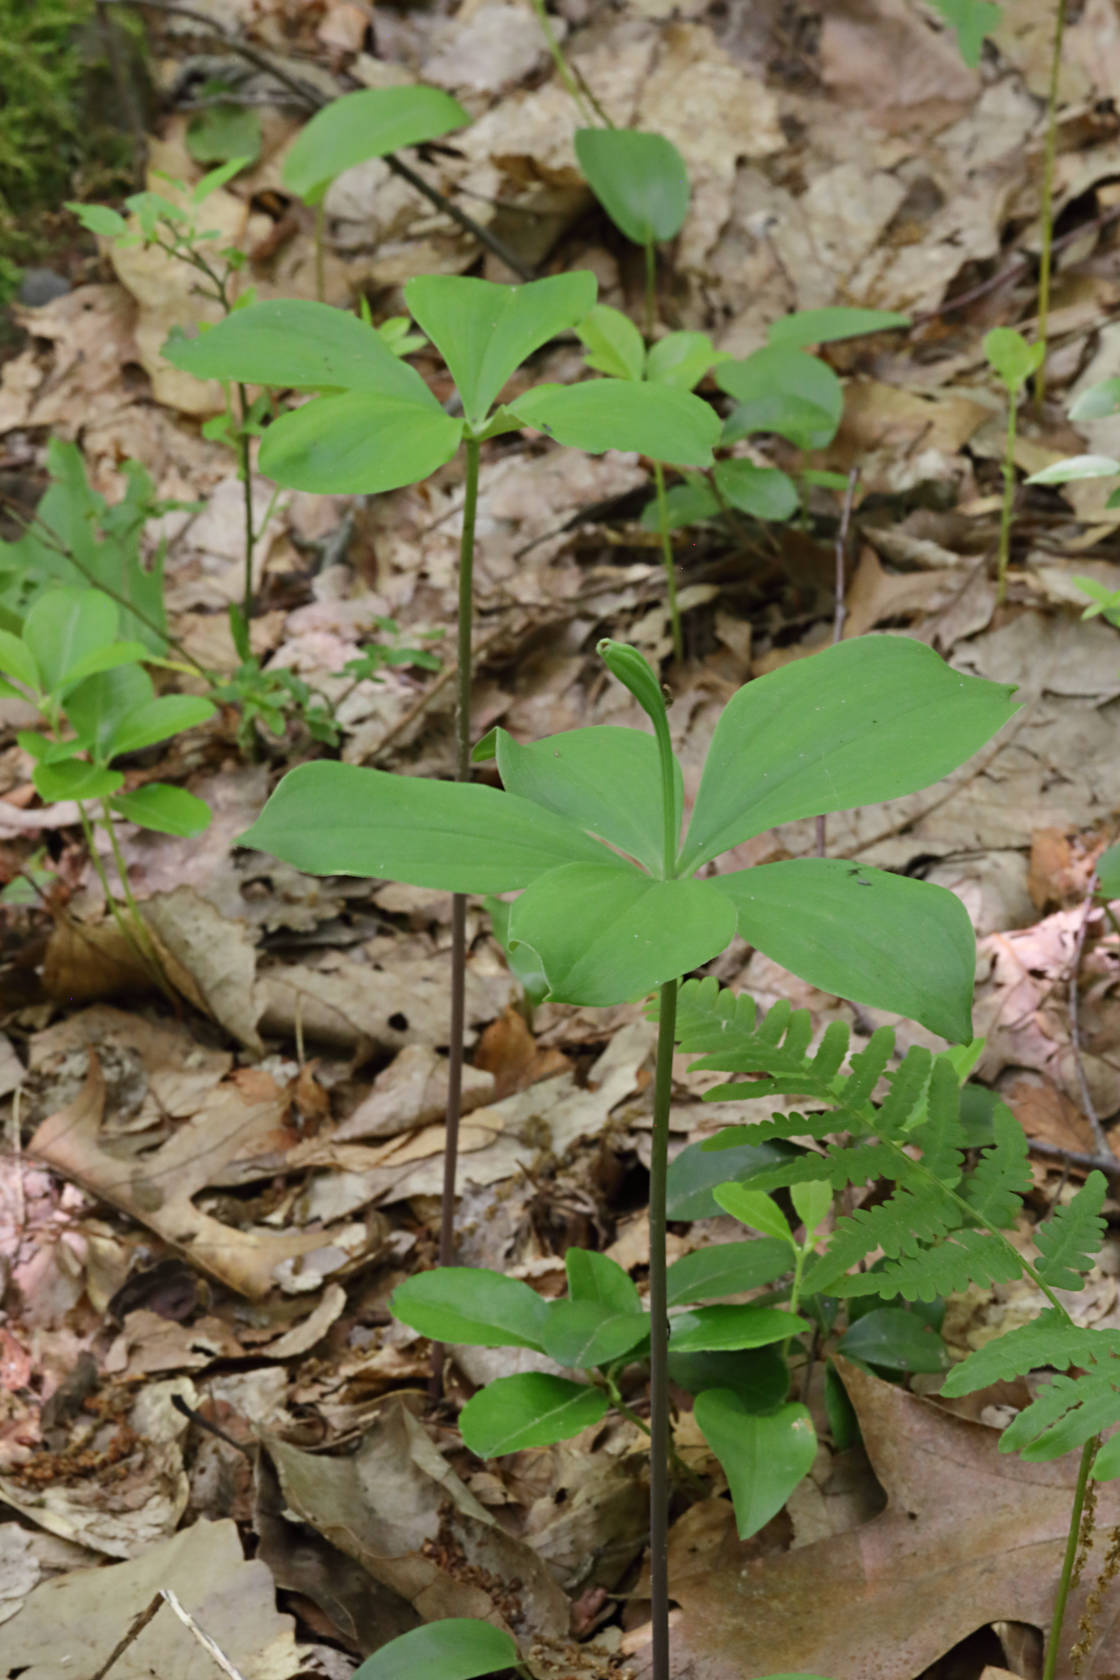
<point x="781" y="389"/>
<point x="366" y="124"/>
<point x="727" y="1269"/>
<point x="159" y="720"/>
<point x="473" y="1306"/>
<point x="893" y="1339"/>
<point x="459" y="1648"/>
<point x="601" y="414"/>
<point x="164" y="809"/>
<point x="584" y="1334"/>
<point x="829" y="326"/>
<point x="713" y="1329"/>
<point x="598" y="1278"/>
<point x="613" y="343"/>
<point x="763" y="1458"/>
<point x="533" y="1409"/>
<point x="65" y="626"/>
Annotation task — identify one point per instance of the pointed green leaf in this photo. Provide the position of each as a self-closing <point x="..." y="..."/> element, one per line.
<point x="613" y="343"/>
<point x="682" y="359"/>
<point x="366" y="124"/>
<point x="297" y="345"/>
<point x="764" y="1458"/>
<point x="685" y="504"/>
<point x="640" y="180"/>
<point x="761" y="492"/>
<point x="894" y="1340"/>
<point x="1108" y="873"/>
<point x="712" y="1329"/>
<point x="695" y="1172"/>
<point x="458" y="1648"/>
<point x="74" y="779"/>
<point x="829" y="326"/>
<point x="759" y="1376"/>
<point x="601" y="414"/>
<point x="340" y="819"/>
<point x="603" y="779"/>
<point x="854" y="932"/>
<point x="1075" y="468"/>
<point x="728" y="1268"/>
<point x="107" y="658"/>
<point x="18" y="661"/>
<point x="484" y="331"/>
<point x="471" y="1306"/>
<point x="1097" y="401"/>
<point x="585" y="1334"/>
<point x="812" y="1200"/>
<point x="610" y="936"/>
<point x="780" y="389"/>
<point x="159" y="720"/>
<point x="63" y="627"/>
<point x="867" y="720"/>
<point x="530" y="1410"/>
<point x="105" y="702"/>
<point x="361" y="442"/>
<point x="598" y="1278"/>
<point x="164" y="809"/>
<point x="754" y="1208"/>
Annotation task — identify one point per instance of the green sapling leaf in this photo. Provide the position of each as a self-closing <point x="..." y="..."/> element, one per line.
<point x="163" y="809"/>
<point x="458" y="1648"/>
<point x="682" y="359"/>
<point x="759" y="1376"/>
<point x="74" y="779"/>
<point x="640" y="179"/>
<point x="972" y="20"/>
<point x="17" y="659"/>
<point x="728" y="1268"/>
<point x="613" y="343"/>
<point x="472" y="1306"/>
<point x="532" y="1409"/>
<point x="760" y="492"/>
<point x="694" y="1173"/>
<point x="359" y="442"/>
<point x="763" y="1458"/>
<point x="63" y="627"/>
<point x="596" y="1277"/>
<point x="1012" y="358"/>
<point x="781" y="389"/>
<point x="601" y="414"/>
<point x="756" y="1209"/>
<point x="159" y="720"/>
<point x="585" y="1334"/>
<point x="812" y="1201"/>
<point x="365" y="124"/>
<point x="892" y="1339"/>
<point x="714" y="1329"/>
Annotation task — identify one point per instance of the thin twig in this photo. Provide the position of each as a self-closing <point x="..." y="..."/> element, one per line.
<point x="1099" y="1137"/>
<point x="1086" y="1158"/>
<point x="840" y="612"/>
<point x="313" y="100"/>
<point x="132" y="1633"/>
<point x="212" y="1650"/>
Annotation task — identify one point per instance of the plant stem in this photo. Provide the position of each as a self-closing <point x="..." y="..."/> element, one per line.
<point x="651" y="287"/>
<point x="1008" y="497"/>
<point x="659" y="1336"/>
<point x="1088" y="1453"/>
<point x="458" y="901"/>
<point x="573" y="81"/>
<point x="667" y="558"/>
<point x="247" y="492"/>
<point x="1046" y="209"/>
<point x="320" y="263"/>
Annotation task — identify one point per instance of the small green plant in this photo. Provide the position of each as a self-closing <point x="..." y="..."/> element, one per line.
<point x="98" y="705"/>
<point x="588" y="833"/>
<point x="972" y="21"/>
<point x="367" y="124"/>
<point x="1013" y="361"/>
<point x="1097" y="402"/>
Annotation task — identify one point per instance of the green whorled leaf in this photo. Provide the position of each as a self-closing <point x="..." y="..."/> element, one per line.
<point x="63" y="627"/>
<point x="584" y="1334"/>
<point x="854" y="932"/>
<point x="601" y="414"/>
<point x="159" y="720"/>
<point x="682" y="359"/>
<point x="458" y="1648"/>
<point x="533" y="1409"/>
<point x="341" y="819"/>
<point x="694" y="1173"/>
<point x="163" y="809"/>
<point x="764" y="1458"/>
<point x="361" y="442"/>
<point x="759" y="1376"/>
<point x="603" y="779"/>
<point x="296" y="345"/>
<point x="866" y="720"/>
<point x="714" y="1329"/>
<point x="780" y="389"/>
<point x="1075" y="468"/>
<point x="1012" y="358"/>
<point x="598" y="1278"/>
<point x="366" y="124"/>
<point x="640" y="179"/>
<point x="755" y="1209"/>
<point x="1108" y="873"/>
<point x="74" y="779"/>
<point x="893" y="1339"/>
<point x="613" y="343"/>
<point x="99" y="219"/>
<point x="471" y="1306"/>
<point x="1098" y="401"/>
<point x="761" y="492"/>
<point x="611" y="935"/>
<point x="829" y="326"/>
<point x="103" y="703"/>
<point x="728" y="1268"/>
<point x="484" y="331"/>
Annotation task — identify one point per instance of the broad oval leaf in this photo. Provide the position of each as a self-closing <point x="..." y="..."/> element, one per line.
<point x="296" y="345"/>
<point x="759" y="1376"/>
<point x="893" y="1339"/>
<point x="830" y="325"/>
<point x="18" y="661"/>
<point x="362" y="125"/>
<point x="360" y="442"/>
<point x="728" y="1268"/>
<point x="163" y="809"/>
<point x="533" y="1409"/>
<point x="613" y="343"/>
<point x="866" y="720"/>
<point x="762" y="492"/>
<point x="601" y="414"/>
<point x="65" y="626"/>
<point x="341" y="819"/>
<point x="764" y="1458"/>
<point x="780" y="389"/>
<point x="106" y="659"/>
<point x="856" y="932"/>
<point x="603" y="779"/>
<point x="713" y="1329"/>
<point x="682" y="359"/>
<point x="159" y="720"/>
<point x="471" y="1306"/>
<point x="458" y="1648"/>
<point x="640" y="179"/>
<point x="596" y="1277"/>
<point x="103" y="703"/>
<point x="484" y="330"/>
<point x="754" y="1208"/>
<point x="694" y="1173"/>
<point x="74" y="779"/>
<point x="610" y="936"/>
<point x="685" y="504"/>
<point x="584" y="1334"/>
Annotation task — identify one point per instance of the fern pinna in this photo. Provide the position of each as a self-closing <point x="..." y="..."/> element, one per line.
<point x="942" y="1225"/>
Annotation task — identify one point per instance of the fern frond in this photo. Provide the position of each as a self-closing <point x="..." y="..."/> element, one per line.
<point x="904" y="1225"/>
<point x="963" y="1258"/>
<point x="1066" y="1413"/>
<point x="763" y="1131"/>
<point x="1070" y="1240"/>
<point x="868" y="1067"/>
<point x="841" y="1164"/>
<point x="940" y="1135"/>
<point x="995" y="1188"/>
<point x="907" y="1092"/>
<point x="1049" y="1340"/>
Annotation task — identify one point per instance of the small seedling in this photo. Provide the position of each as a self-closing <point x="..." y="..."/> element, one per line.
<point x="587" y="832"/>
<point x="1013" y="360"/>
<point x="972" y="21"/>
<point x="1098" y="402"/>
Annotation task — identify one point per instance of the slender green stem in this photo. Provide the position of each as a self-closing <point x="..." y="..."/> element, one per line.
<point x="573" y="80"/>
<point x="667" y="558"/>
<point x="659" y="1436"/>
<point x="247" y="500"/>
<point x="1008" y="497"/>
<point x="1046" y="210"/>
<point x="320" y="252"/>
<point x="685" y="1471"/>
<point x="1053" y="1643"/>
<point x="651" y="287"/>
